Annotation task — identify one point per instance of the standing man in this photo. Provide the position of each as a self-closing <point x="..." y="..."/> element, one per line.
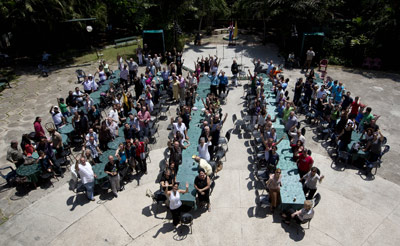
<point x="144" y="118"/>
<point x="309" y="57"/>
<point x="133" y="69"/>
<point x="124" y="77"/>
<point x="111" y="169"/>
<point x="214" y="83"/>
<point x="139" y="54"/>
<point x="223" y="82"/>
<point x="87" y="176"/>
<point x="235" y="71"/>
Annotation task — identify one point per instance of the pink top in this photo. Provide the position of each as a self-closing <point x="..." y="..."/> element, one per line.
<point x="38" y="129"/>
<point x="143" y="118"/>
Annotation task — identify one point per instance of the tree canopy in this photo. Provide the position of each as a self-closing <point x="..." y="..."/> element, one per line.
<point x="353" y="29"/>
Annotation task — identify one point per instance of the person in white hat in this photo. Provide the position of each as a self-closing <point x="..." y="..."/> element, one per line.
<point x="58" y="118"/>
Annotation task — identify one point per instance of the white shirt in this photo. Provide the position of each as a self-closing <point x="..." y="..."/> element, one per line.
<point x="181" y="128"/>
<point x="203" y="151"/>
<point x="113" y="114"/>
<point x="174" y="200"/>
<point x="113" y="127"/>
<point x="192" y="80"/>
<point x="88" y="104"/>
<point x="78" y="96"/>
<point x="320" y="93"/>
<point x="93" y="84"/>
<point x="310" y="54"/>
<point x="157" y="62"/>
<point x="87" y="85"/>
<point x="86" y="173"/>
<point x="94" y="135"/>
<point x="57" y="117"/>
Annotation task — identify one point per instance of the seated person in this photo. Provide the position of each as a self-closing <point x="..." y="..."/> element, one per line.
<point x="203" y="164"/>
<point x="179" y="137"/>
<point x="202" y="184"/>
<point x="47" y="164"/>
<point x="14" y="155"/>
<point x="167" y="180"/>
<point x="306" y="213"/>
<point x="374" y="147"/>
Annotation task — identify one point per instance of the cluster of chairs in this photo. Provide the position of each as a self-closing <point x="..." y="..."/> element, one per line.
<point x="327" y="134"/>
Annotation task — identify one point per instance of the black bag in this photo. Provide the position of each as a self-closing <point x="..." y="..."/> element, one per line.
<point x="159" y="196"/>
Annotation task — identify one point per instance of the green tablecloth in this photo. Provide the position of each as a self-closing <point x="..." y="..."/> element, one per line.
<point x="64" y="139"/>
<point x="98" y="169"/>
<point x="355" y="138"/>
<point x="32" y="172"/>
<point x="188" y="169"/>
<point x="292" y="195"/>
<point x="291" y="187"/>
<point x="66" y="129"/>
<point x="114" y="144"/>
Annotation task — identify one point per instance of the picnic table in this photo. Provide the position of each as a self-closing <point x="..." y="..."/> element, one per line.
<point x="188" y="169"/>
<point x="66" y="129"/>
<point x="292" y="195"/>
<point x="114" y="144"/>
<point x="64" y="139"/>
<point x="360" y="154"/>
<point x="32" y="172"/>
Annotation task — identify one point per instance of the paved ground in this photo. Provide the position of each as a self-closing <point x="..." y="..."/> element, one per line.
<point x="352" y="211"/>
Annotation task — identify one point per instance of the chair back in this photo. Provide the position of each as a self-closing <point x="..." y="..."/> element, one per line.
<point x="317" y="199"/>
<point x="80" y="73"/>
<point x="385" y="150"/>
<point x="324" y="62"/>
<point x="228" y="136"/>
<point x="186" y="218"/>
<point x="234" y="118"/>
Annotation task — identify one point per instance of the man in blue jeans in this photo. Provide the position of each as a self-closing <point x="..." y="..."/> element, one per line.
<point x="87" y="176"/>
<point x="223" y="82"/>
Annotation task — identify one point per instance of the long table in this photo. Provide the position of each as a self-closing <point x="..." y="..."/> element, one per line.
<point x="188" y="169"/>
<point x="292" y="195"/>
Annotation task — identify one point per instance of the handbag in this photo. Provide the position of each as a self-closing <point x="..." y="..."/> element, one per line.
<point x="143" y="155"/>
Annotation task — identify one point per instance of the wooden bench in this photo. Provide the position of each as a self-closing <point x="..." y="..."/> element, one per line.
<point x="126" y="41"/>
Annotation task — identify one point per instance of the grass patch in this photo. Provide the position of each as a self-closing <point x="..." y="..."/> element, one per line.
<point x="3" y="218"/>
<point x="109" y="54"/>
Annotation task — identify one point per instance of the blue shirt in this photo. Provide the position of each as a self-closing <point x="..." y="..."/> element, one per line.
<point x="214" y="80"/>
<point x="334" y="88"/>
<point x="165" y="75"/>
<point x="338" y="96"/>
<point x="223" y="80"/>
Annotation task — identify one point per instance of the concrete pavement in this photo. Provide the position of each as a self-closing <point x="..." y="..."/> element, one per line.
<point x="352" y="211"/>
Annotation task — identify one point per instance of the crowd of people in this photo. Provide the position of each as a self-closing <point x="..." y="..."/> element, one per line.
<point x="327" y="104"/>
<point x="207" y="145"/>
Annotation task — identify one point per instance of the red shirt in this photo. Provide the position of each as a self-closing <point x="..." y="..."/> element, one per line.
<point x="28" y="149"/>
<point x="354" y="108"/>
<point x="305" y="163"/>
<point x="139" y="148"/>
<point x="38" y="129"/>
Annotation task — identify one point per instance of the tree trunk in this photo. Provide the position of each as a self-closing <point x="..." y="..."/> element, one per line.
<point x="201" y="20"/>
<point x="264" y="36"/>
